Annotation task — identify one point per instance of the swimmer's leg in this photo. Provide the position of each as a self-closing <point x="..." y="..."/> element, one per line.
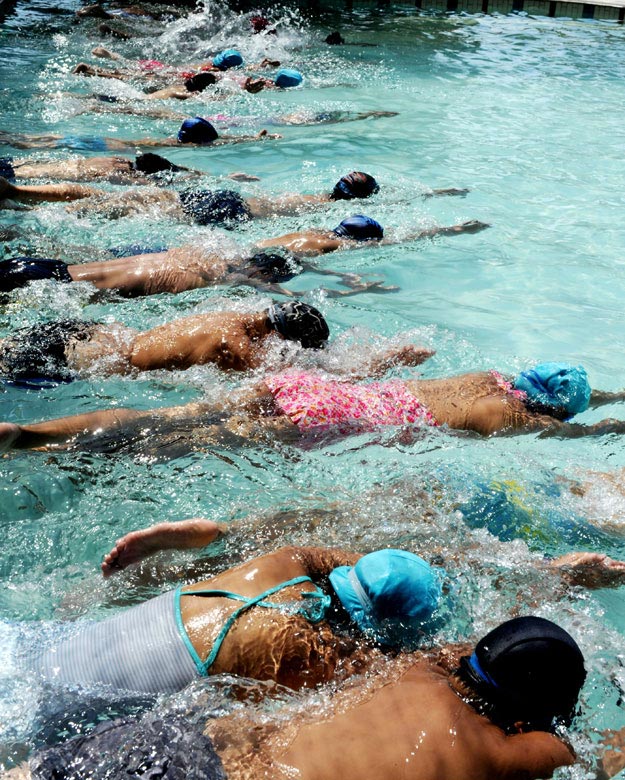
<point x="137" y="545"/>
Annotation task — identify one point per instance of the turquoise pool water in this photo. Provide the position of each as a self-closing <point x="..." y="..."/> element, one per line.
<point x="527" y="113"/>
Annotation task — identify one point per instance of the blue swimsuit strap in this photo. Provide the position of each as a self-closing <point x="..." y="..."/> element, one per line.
<point x="313" y="613"/>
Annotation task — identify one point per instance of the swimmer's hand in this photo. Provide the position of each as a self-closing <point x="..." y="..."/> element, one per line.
<point x="409" y="355"/>
<point x="265" y="135"/>
<point x="472" y="226"/>
<point x="84" y="69"/>
<point x="253" y="86"/>
<point x="378" y="287"/>
<point x="591" y="570"/>
<point x="451" y="191"/>
<point x="240" y="176"/>
<point x="137" y="545"/>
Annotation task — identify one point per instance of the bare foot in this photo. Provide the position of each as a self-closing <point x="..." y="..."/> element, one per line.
<point x="9" y="433"/>
<point x="592" y="570"/>
<point x="137" y="545"/>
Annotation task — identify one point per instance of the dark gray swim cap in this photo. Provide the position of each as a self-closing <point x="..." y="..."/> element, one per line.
<point x="530" y="670"/>
<point x="200" y="81"/>
<point x="355" y="185"/>
<point x="153" y="163"/>
<point x="297" y="321"/>
<point x="276" y="267"/>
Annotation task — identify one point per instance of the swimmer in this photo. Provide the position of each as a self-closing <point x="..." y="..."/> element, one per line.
<point x="483" y="712"/>
<point x="61" y="351"/>
<point x="353" y="233"/>
<point x="193" y="132"/>
<point x="115" y="170"/>
<point x="540" y="400"/>
<point x="176" y="270"/>
<point x="297" y="616"/>
<point x="203" y="207"/>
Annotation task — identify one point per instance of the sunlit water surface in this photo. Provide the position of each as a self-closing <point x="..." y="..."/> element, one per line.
<point x="527" y="113"/>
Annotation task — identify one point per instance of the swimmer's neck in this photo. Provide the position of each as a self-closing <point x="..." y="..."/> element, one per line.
<point x="258" y="325"/>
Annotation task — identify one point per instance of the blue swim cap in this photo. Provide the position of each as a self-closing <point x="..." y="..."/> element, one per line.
<point x="197" y="131"/>
<point x="287" y="77"/>
<point x="359" y="228"/>
<point x="228" y="58"/>
<point x="389" y="594"/>
<point x="556" y="384"/>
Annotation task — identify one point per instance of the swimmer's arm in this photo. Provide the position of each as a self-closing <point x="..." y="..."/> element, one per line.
<point x="589" y="569"/>
<point x="409" y="355"/>
<point x="283" y="204"/>
<point x="63" y="430"/>
<point x="603" y="397"/>
<point x="44" y="192"/>
<point x="451" y="191"/>
<point x="535" y="754"/>
<point x="564" y="430"/>
<point x="263" y="135"/>
<point x="473" y="226"/>
<point x="189" y="534"/>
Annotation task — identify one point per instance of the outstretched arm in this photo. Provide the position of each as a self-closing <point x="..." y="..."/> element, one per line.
<point x="64" y="429"/>
<point x="137" y="545"/>
<point x="589" y="569"/>
<point x="263" y="135"/>
<point x="603" y="397"/>
<point x="452" y="191"/>
<point x="473" y="226"/>
<point x="37" y="193"/>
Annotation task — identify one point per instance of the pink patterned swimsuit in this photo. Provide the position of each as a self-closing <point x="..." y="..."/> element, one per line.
<point x="312" y="402"/>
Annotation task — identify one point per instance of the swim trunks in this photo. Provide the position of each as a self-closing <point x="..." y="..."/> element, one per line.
<point x="82" y="143"/>
<point x="19" y="271"/>
<point x="314" y="403"/>
<point x="38" y="353"/>
<point x="152" y="747"/>
<point x="207" y="207"/>
<point x="6" y="168"/>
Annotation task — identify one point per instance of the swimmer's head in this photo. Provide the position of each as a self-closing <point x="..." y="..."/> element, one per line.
<point x="335" y="38"/>
<point x="228" y="58"/>
<point x="200" y="81"/>
<point x="259" y="23"/>
<point x="528" y="670"/>
<point x="359" y="228"/>
<point x="154" y="163"/>
<point x="556" y="386"/>
<point x="288" y="77"/>
<point x="197" y="131"/>
<point x="274" y="267"/>
<point x="391" y="595"/>
<point x="354" y="185"/>
<point x="297" y="321"/>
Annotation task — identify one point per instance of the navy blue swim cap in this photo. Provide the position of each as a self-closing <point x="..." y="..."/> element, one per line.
<point x="360" y="228"/>
<point x="197" y="131"/>
<point x="297" y="321"/>
<point x="287" y="77"/>
<point x="530" y="670"/>
<point x="355" y="185"/>
<point x="200" y="81"/>
<point x="228" y="58"/>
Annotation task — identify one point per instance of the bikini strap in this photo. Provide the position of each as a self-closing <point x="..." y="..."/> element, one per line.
<point x="312" y="612"/>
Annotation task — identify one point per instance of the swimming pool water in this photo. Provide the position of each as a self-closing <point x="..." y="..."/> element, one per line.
<point x="527" y="113"/>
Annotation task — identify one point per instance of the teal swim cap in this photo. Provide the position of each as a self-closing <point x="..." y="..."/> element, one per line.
<point x="228" y="58"/>
<point x="287" y="77"/>
<point x="556" y="384"/>
<point x="390" y="595"/>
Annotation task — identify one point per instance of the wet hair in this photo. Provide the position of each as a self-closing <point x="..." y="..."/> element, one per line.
<point x="335" y="38"/>
<point x="276" y="267"/>
<point x="197" y="131"/>
<point x="354" y="185"/>
<point x="297" y="321"/>
<point x="200" y="81"/>
<point x="526" y="670"/>
<point x="153" y="163"/>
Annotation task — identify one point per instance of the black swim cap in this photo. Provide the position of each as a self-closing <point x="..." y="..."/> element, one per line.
<point x="200" y="81"/>
<point x="215" y="207"/>
<point x="335" y="38"/>
<point x="297" y="321"/>
<point x="276" y="267"/>
<point x="530" y="670"/>
<point x="153" y="163"/>
<point x="354" y="185"/>
<point x="197" y="131"/>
